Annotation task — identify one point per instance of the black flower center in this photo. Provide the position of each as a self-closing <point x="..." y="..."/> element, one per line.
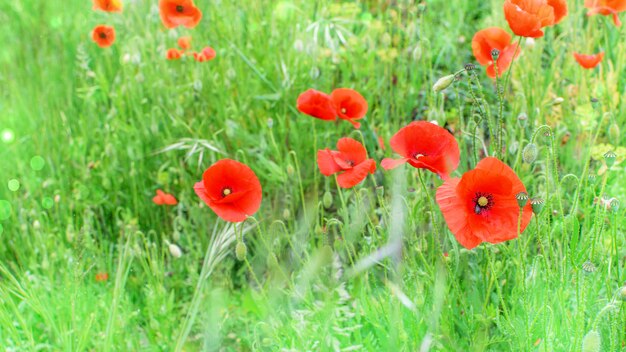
<point x="180" y="8"/>
<point x="102" y="35"/>
<point x="482" y="202"/>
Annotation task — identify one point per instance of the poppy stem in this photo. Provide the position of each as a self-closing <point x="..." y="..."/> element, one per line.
<point x="435" y="240"/>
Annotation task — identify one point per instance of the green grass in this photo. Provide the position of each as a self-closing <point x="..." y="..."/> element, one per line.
<point x="114" y="125"/>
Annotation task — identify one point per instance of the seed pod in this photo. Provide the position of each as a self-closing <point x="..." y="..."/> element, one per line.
<point x="589" y="267"/>
<point x="537" y="205"/>
<point x="327" y="200"/>
<point x="609" y="158"/>
<point x="614" y="132"/>
<point x="530" y="152"/>
<point x="241" y="250"/>
<point x="592" y="342"/>
<point x="443" y="83"/>
<point x="522" y="199"/>
<point x="470" y="67"/>
<point x="495" y="54"/>
<point x="175" y="251"/>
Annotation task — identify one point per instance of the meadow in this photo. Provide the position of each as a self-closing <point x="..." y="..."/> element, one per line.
<point x="89" y="262"/>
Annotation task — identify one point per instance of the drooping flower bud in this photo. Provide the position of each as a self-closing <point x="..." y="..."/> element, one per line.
<point x="592" y="342"/>
<point x="175" y="251"/>
<point x="530" y="152"/>
<point x="443" y="83"/>
<point x="241" y="250"/>
<point x="327" y="200"/>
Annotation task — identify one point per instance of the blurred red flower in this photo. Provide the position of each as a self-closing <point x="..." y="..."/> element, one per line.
<point x="184" y="43"/>
<point x="103" y="36"/>
<point x="425" y="145"/>
<point x="173" y="54"/>
<point x="102" y="276"/>
<point x="527" y="17"/>
<point x="317" y="104"/>
<point x="207" y="54"/>
<point x="485" y="41"/>
<point x="606" y="8"/>
<point x="231" y="190"/>
<point x="589" y="61"/>
<point x="108" y="5"/>
<point x="481" y="206"/>
<point x="350" y="159"/>
<point x="176" y="13"/>
<point x="163" y="198"/>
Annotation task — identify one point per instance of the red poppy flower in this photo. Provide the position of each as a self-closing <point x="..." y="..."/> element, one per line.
<point x="184" y="43"/>
<point x="103" y="35"/>
<point x="425" y="145"/>
<point x="207" y="54"/>
<point x="163" y="198"/>
<point x="606" y="8"/>
<point x="589" y="61"/>
<point x="173" y="54"/>
<point x="481" y="205"/>
<point x="488" y="39"/>
<point x="102" y="277"/>
<point x="349" y="104"/>
<point x="350" y="159"/>
<point x="176" y="13"/>
<point x="230" y="189"/>
<point x="108" y="5"/>
<point x="317" y="104"/>
<point x="527" y="17"/>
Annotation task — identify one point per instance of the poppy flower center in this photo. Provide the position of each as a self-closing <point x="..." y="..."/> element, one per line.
<point x="482" y="202"/>
<point x="344" y="110"/>
<point x="102" y="35"/>
<point x="226" y="191"/>
<point x="418" y="155"/>
<point x="180" y="8"/>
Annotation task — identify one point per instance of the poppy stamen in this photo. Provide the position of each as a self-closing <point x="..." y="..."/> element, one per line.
<point x="226" y="191"/>
<point x="482" y="202"/>
<point x="343" y="110"/>
<point x="103" y="35"/>
<point x="180" y="8"/>
<point x="418" y="155"/>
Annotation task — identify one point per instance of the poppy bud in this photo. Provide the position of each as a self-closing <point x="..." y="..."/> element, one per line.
<point x="609" y="158"/>
<point x="614" y="205"/>
<point x="241" y="250"/>
<point x="443" y="83"/>
<point x="530" y="152"/>
<point x="270" y="123"/>
<point x="622" y="293"/>
<point x="558" y="101"/>
<point x="495" y="54"/>
<point x="522" y="199"/>
<point x="417" y="53"/>
<point x="327" y="200"/>
<point x="470" y="67"/>
<point x="197" y="85"/>
<point x="595" y="103"/>
<point x="537" y="205"/>
<point x="175" y="250"/>
<point x="592" y="342"/>
<point x="290" y="170"/>
<point x="286" y="214"/>
<point x="314" y="73"/>
<point x="614" y="132"/>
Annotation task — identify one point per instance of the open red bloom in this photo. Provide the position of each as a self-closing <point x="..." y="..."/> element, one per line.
<point x="176" y="13"/>
<point x="103" y="35"/>
<point x="231" y="190"/>
<point x="527" y="17"/>
<point x="163" y="198"/>
<point x="606" y="8"/>
<point x="349" y="104"/>
<point x="350" y="159"/>
<point x="184" y="43"/>
<point x="173" y="54"/>
<point x="108" y="5"/>
<point x="317" y="104"/>
<point x="488" y="39"/>
<point x="102" y="276"/>
<point x="425" y="145"/>
<point x="589" y="61"/>
<point x="481" y="206"/>
<point x="207" y="54"/>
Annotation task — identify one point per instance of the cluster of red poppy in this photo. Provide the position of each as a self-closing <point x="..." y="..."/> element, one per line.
<point x="173" y="13"/>
<point x="494" y="49"/>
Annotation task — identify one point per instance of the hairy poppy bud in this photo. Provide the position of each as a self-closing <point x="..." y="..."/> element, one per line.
<point x="530" y="152"/>
<point x="286" y="214"/>
<point x="537" y="205"/>
<point x="614" y="132"/>
<point x="522" y="199"/>
<point x="609" y="158"/>
<point x="241" y="250"/>
<point x="622" y="293"/>
<point x="327" y="200"/>
<point x="443" y="83"/>
<point x="522" y="118"/>
<point x="175" y="250"/>
<point x="290" y="170"/>
<point x="592" y="342"/>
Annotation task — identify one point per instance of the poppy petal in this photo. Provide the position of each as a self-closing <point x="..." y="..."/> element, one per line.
<point x="356" y="175"/>
<point x="352" y="150"/>
<point x="450" y="203"/>
<point x="326" y="162"/>
<point x="389" y="164"/>
<point x="316" y="104"/>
